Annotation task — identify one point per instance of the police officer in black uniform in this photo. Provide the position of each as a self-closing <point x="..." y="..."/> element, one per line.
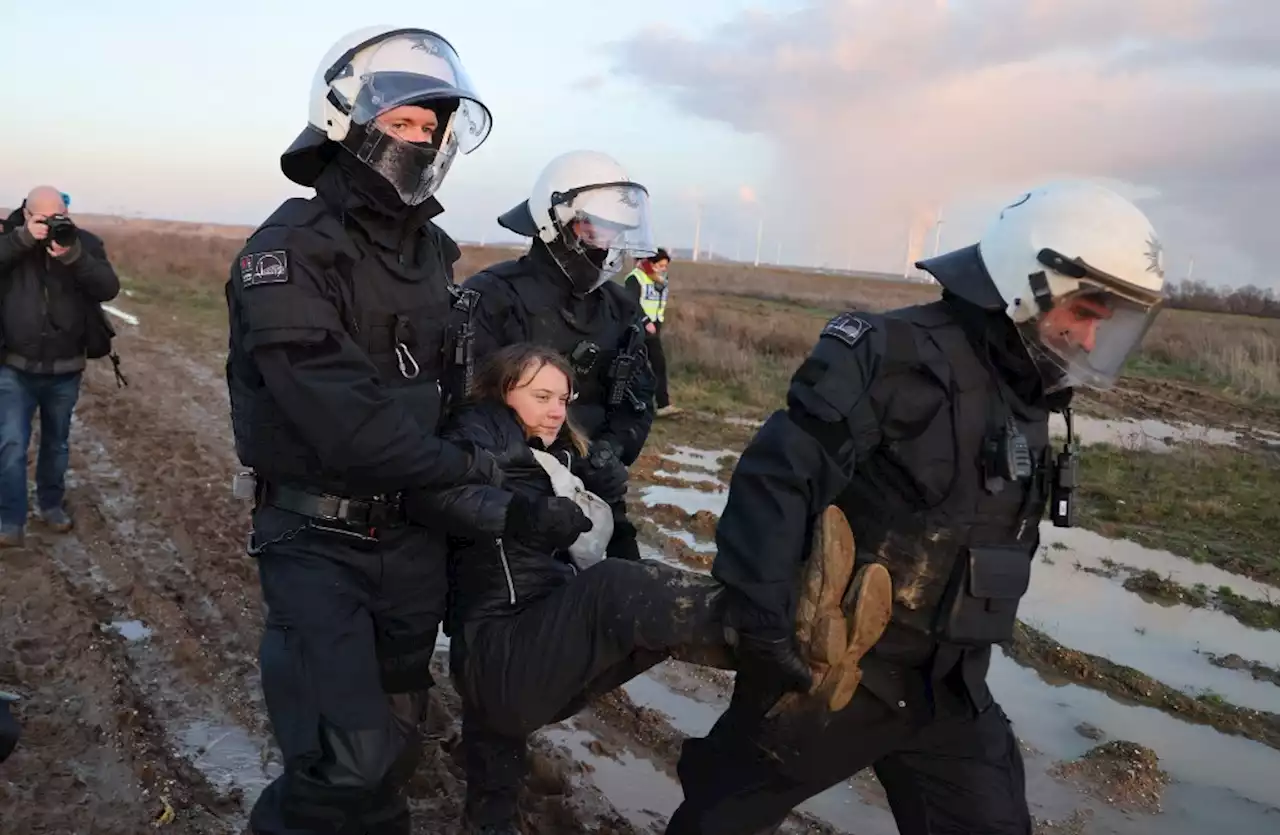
<point x="584" y="215"/>
<point x="928" y="427"/>
<point x="340" y="334"/>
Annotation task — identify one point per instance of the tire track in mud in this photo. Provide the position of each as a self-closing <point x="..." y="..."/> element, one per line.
<point x="1172" y="401"/>
<point x="93" y="755"/>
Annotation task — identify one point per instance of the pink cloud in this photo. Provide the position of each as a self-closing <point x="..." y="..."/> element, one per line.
<point x="882" y="110"/>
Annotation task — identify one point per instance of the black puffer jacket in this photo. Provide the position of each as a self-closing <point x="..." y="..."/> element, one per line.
<point x="491" y="575"/>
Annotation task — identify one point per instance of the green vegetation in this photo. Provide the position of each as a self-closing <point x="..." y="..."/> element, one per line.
<point x="1211" y="504"/>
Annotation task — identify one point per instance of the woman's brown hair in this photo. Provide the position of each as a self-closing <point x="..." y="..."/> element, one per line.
<point x="503" y="370"/>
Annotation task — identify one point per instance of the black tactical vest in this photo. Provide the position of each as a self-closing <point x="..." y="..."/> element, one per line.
<point x="598" y="336"/>
<point x="403" y="322"/>
<point x="957" y="543"/>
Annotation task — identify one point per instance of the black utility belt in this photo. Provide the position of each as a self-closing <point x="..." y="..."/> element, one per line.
<point x="365" y="516"/>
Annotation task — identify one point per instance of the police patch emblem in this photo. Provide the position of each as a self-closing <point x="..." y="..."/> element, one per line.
<point x="847" y="327"/>
<point x="264" y="268"/>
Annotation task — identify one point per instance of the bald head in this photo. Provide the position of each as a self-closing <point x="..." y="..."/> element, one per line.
<point x="45" y="200"/>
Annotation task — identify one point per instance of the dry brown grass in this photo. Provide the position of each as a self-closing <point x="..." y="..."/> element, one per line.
<point x="719" y="309"/>
<point x="735" y="333"/>
<point x="829" y="292"/>
<point x="1238" y="353"/>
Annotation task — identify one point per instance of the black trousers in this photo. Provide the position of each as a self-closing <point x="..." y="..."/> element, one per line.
<point x="349" y="636"/>
<point x="953" y="775"/>
<point x="658" y="359"/>
<point x="539" y="666"/>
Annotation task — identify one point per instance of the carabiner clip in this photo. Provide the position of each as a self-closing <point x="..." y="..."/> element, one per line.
<point x="402" y="354"/>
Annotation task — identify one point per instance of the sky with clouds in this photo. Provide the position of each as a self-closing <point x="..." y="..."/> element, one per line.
<point x="836" y="130"/>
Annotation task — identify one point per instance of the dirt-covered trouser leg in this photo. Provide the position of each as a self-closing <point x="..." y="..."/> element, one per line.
<point x="349" y="637"/>
<point x="952" y="776"/>
<point x="608" y="625"/>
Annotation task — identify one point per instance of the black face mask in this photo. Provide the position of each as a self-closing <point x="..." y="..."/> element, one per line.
<point x="404" y="166"/>
<point x="581" y="268"/>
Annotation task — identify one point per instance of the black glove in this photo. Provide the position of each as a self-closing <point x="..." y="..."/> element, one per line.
<point x="603" y="472"/>
<point x="622" y="545"/>
<point x="546" y="524"/>
<point x="773" y="659"/>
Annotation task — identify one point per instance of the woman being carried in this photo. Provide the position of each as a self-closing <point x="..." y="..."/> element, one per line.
<point x="542" y="624"/>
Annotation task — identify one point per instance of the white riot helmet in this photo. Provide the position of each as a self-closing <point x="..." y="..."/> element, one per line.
<point x="590" y="215"/>
<point x="1080" y="271"/>
<point x="371" y="71"/>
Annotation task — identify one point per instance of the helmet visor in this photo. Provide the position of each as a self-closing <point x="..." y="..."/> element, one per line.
<point x="1086" y="337"/>
<point x="421" y="69"/>
<point x="604" y="224"/>
<point x="613" y="216"/>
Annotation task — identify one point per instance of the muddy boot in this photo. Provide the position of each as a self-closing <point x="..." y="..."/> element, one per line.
<point x="838" y="620"/>
<point x="12" y="537"/>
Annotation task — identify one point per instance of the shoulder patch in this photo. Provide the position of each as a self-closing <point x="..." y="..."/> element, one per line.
<point x="847" y="327"/>
<point x="270" y="267"/>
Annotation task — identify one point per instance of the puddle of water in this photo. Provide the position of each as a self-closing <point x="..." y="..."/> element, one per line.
<point x="228" y="757"/>
<point x="1045" y="716"/>
<point x="130" y="630"/>
<point x="840" y="805"/>
<point x="1090" y="549"/>
<point x="689" y="539"/>
<point x="1097" y="615"/>
<point x="648" y="552"/>
<point x="685" y="498"/>
<point x="689" y="475"/>
<point x="1145" y="434"/>
<point x="639" y="790"/>
<point x="701" y="459"/>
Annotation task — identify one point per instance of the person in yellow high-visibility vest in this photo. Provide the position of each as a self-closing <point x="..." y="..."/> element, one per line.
<point x="648" y="283"/>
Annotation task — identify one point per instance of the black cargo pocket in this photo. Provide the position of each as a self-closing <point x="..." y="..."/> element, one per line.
<point x="983" y="605"/>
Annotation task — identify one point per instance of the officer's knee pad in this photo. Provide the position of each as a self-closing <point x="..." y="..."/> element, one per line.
<point x="368" y="762"/>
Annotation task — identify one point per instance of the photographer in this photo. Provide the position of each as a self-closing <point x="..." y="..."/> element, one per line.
<point x="52" y="276"/>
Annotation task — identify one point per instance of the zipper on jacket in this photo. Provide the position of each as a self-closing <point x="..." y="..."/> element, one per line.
<point x="506" y="569"/>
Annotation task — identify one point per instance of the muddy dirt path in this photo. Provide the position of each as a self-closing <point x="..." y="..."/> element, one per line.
<point x="133" y="640"/>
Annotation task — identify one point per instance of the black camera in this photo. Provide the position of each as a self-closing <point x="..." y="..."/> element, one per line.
<point x="62" y="230"/>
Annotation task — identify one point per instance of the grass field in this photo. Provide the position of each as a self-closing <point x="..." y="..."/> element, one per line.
<point x="736" y="332"/>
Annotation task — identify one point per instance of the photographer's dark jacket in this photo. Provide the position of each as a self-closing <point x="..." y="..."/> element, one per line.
<point x="490" y="575"/>
<point x="45" y="301"/>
